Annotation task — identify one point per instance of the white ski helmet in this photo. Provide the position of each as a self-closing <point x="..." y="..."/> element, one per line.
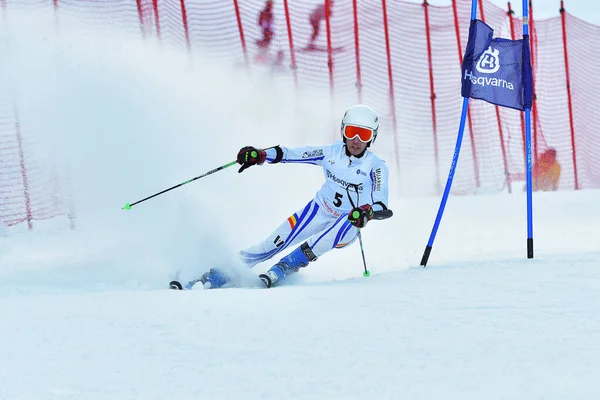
<point x="361" y="116"/>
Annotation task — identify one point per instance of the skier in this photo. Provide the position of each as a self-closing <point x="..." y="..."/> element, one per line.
<point x="315" y="18"/>
<point x="265" y="21"/>
<point x="546" y="172"/>
<point x="332" y="218"/>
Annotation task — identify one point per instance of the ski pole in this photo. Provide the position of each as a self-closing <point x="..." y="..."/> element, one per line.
<point x="366" y="273"/>
<point x="129" y="205"/>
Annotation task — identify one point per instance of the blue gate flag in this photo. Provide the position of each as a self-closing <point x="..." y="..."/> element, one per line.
<point x="497" y="70"/>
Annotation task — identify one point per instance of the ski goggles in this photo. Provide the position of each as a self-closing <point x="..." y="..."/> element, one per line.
<point x="364" y="134"/>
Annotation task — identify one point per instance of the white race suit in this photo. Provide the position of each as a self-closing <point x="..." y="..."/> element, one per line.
<point x="323" y="222"/>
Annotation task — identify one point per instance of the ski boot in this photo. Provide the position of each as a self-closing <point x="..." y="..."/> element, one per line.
<point x="288" y="265"/>
<point x="215" y="278"/>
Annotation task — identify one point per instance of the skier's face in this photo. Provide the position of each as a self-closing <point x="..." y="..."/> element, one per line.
<point x="355" y="146"/>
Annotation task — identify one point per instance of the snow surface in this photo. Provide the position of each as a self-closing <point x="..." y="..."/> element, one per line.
<point x="86" y="313"/>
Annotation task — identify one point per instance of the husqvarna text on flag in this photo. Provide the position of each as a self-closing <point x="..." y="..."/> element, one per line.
<point x="496" y="70"/>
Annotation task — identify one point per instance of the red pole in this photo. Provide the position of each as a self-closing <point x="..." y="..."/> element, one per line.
<point x="156" y="18"/>
<point x="469" y="119"/>
<point x="141" y="16"/>
<point x="185" y="26"/>
<point x="570" y="103"/>
<point x="512" y="36"/>
<point x="330" y="59"/>
<point x="329" y="50"/>
<point x="291" y="42"/>
<point x="392" y="96"/>
<point x="55" y="7"/>
<point x="241" y="30"/>
<point x="432" y="97"/>
<point x="23" y="172"/>
<point x="357" y="51"/>
<point x="499" y="123"/>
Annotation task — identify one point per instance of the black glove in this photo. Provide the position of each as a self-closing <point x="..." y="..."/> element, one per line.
<point x="249" y="156"/>
<point x="359" y="216"/>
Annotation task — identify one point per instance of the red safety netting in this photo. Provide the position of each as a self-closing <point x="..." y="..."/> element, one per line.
<point x="402" y="58"/>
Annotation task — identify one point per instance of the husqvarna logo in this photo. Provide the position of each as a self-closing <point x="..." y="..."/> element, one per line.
<point x="489" y="62"/>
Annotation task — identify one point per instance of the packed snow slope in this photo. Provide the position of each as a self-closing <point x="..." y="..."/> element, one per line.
<point x="86" y="313"/>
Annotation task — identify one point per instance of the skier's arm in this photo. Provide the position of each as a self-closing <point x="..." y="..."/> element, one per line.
<point x="377" y="208"/>
<point x="298" y="155"/>
<point x="379" y="189"/>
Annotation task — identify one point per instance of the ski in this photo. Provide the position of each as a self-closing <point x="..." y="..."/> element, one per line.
<point x="308" y="49"/>
<point x="175" y="285"/>
<point x="266" y="280"/>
